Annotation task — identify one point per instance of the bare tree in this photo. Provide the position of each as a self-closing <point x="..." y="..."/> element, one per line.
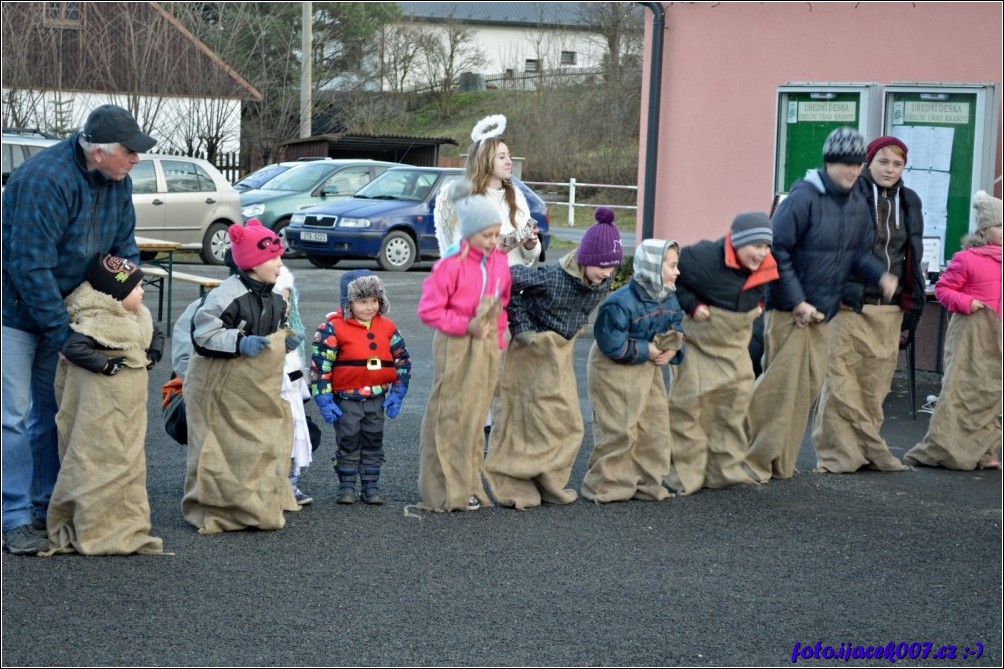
<point x="402" y="48"/>
<point x="620" y="26"/>
<point x="446" y="52"/>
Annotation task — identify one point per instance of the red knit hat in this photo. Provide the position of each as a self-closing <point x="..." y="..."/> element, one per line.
<point x="253" y="244"/>
<point x="880" y="143"/>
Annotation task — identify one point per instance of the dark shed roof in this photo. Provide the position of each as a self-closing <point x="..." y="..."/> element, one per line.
<point x="420" y="151"/>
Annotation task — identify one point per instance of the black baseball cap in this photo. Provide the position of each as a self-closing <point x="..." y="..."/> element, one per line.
<point x="109" y="124"/>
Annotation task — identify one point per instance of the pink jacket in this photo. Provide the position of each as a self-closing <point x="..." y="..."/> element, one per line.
<point x="973" y="274"/>
<point x="451" y="294"/>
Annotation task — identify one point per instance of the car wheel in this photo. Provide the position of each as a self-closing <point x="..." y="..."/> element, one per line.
<point x="280" y="229"/>
<point x="398" y="252"/>
<point x="215" y="244"/>
<point x="324" y="262"/>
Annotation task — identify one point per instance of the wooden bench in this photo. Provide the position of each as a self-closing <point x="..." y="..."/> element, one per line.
<point x="155" y="276"/>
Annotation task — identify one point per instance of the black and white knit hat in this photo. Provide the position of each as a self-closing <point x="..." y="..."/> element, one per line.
<point x="113" y="276"/>
<point x="751" y="227"/>
<point x="845" y="145"/>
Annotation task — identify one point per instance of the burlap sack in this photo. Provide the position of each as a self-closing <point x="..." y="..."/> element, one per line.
<point x="99" y="505"/>
<point x="860" y="365"/>
<point x="631" y="440"/>
<point x="240" y="436"/>
<point x="708" y="401"/>
<point x="794" y="363"/>
<point x="966" y="424"/>
<point x="538" y="424"/>
<point x="453" y="439"/>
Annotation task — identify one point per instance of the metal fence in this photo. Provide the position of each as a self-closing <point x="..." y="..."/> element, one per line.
<point x="572" y="204"/>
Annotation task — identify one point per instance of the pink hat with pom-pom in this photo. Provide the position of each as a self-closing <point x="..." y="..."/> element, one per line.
<point x="601" y="243"/>
<point x="253" y="244"/>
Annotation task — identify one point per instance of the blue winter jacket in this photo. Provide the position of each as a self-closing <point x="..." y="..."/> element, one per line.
<point x="629" y="320"/>
<point x="57" y="216"/>
<point x="822" y="235"/>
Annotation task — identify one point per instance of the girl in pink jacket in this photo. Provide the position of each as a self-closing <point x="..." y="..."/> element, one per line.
<point x="965" y="429"/>
<point x="464" y="299"/>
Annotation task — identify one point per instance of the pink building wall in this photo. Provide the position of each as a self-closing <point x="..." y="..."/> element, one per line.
<point x="722" y="66"/>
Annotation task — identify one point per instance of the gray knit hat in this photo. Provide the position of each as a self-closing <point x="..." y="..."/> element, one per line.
<point x="751" y="227"/>
<point x="474" y="212"/>
<point x="988" y="210"/>
<point x="845" y="145"/>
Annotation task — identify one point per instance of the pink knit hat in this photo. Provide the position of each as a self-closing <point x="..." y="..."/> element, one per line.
<point x="253" y="244"/>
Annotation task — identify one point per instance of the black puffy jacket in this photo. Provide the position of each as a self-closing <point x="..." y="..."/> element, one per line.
<point x="822" y="235"/>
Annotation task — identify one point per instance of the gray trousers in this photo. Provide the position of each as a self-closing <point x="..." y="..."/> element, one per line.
<point x="359" y="432"/>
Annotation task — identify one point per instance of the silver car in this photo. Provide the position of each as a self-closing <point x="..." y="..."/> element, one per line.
<point x="185" y="200"/>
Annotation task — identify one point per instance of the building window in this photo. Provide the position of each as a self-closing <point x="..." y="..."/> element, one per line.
<point x="509" y="73"/>
<point x="64" y="14"/>
<point x="532" y="65"/>
<point x="568" y="57"/>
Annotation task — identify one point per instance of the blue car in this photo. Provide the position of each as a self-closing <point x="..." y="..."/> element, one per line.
<point x="389" y="219"/>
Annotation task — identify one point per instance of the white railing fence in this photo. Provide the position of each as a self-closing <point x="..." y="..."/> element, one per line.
<point x="572" y="204"/>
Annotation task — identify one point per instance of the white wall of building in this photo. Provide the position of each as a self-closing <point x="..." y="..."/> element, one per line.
<point x="172" y="121"/>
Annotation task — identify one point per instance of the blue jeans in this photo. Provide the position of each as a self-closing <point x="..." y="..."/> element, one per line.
<point x="30" y="442"/>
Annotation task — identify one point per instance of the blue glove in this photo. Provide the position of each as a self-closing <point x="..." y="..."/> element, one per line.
<point x="329" y="410"/>
<point x="252" y="345"/>
<point x="293" y="340"/>
<point x="393" y="403"/>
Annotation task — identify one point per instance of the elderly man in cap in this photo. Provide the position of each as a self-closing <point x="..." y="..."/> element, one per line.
<point x="822" y="236"/>
<point x="60" y="209"/>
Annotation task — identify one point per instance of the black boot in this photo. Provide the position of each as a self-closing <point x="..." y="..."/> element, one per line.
<point x="370" y="477"/>
<point x="346" y="493"/>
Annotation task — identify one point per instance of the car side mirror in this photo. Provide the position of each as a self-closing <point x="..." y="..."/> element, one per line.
<point x="330" y="190"/>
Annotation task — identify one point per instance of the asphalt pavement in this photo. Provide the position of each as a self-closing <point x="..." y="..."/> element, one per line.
<point x="730" y="577"/>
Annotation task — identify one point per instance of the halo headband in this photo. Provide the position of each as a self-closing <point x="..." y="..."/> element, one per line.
<point x="489" y="126"/>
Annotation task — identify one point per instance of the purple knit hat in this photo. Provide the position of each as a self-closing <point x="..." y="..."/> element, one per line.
<point x="601" y="244"/>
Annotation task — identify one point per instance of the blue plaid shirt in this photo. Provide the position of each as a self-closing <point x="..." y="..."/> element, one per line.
<point x="56" y="216"/>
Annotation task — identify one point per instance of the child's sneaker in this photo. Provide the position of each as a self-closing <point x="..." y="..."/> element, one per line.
<point x="473" y="504"/>
<point x="302" y="498"/>
<point x="989" y="461"/>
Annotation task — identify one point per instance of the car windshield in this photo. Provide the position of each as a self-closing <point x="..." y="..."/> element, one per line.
<point x="414" y="185"/>
<point x="260" y="177"/>
<point x="301" y="178"/>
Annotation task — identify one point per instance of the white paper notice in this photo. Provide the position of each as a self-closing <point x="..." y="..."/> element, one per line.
<point x="936" y="200"/>
<point x="932" y="254"/>
<point x="919" y="156"/>
<point x="941" y="148"/>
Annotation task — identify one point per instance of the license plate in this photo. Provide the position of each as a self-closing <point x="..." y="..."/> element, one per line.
<point x="314" y="237"/>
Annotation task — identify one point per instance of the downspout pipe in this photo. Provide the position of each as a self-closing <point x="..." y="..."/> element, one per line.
<point x="652" y="131"/>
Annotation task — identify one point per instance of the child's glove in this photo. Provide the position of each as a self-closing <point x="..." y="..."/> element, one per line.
<point x="113" y="366"/>
<point x="393" y="403"/>
<point x="293" y="341"/>
<point x="329" y="410"/>
<point x="525" y="337"/>
<point x="153" y="357"/>
<point x="252" y="345"/>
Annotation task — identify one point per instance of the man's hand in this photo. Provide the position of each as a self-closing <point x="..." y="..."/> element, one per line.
<point x="888" y="285"/>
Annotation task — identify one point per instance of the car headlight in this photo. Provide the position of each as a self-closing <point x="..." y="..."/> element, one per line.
<point x="253" y="210"/>
<point x="297" y="219"/>
<point x="353" y="222"/>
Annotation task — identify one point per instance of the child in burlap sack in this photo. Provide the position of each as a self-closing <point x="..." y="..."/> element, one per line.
<point x="638" y="331"/>
<point x="240" y="429"/>
<point x="538" y="433"/>
<point x="99" y="505"/>
<point x="721" y="288"/>
<point x="464" y="299"/>
<point x="965" y="429"/>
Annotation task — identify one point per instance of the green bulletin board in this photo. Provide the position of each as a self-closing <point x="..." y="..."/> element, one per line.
<point x="804" y="122"/>
<point x="940" y="130"/>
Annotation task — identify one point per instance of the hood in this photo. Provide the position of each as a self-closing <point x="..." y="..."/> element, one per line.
<point x="648" y="258"/>
<point x="366" y="208"/>
<point x="373" y="287"/>
<point x="573" y="269"/>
